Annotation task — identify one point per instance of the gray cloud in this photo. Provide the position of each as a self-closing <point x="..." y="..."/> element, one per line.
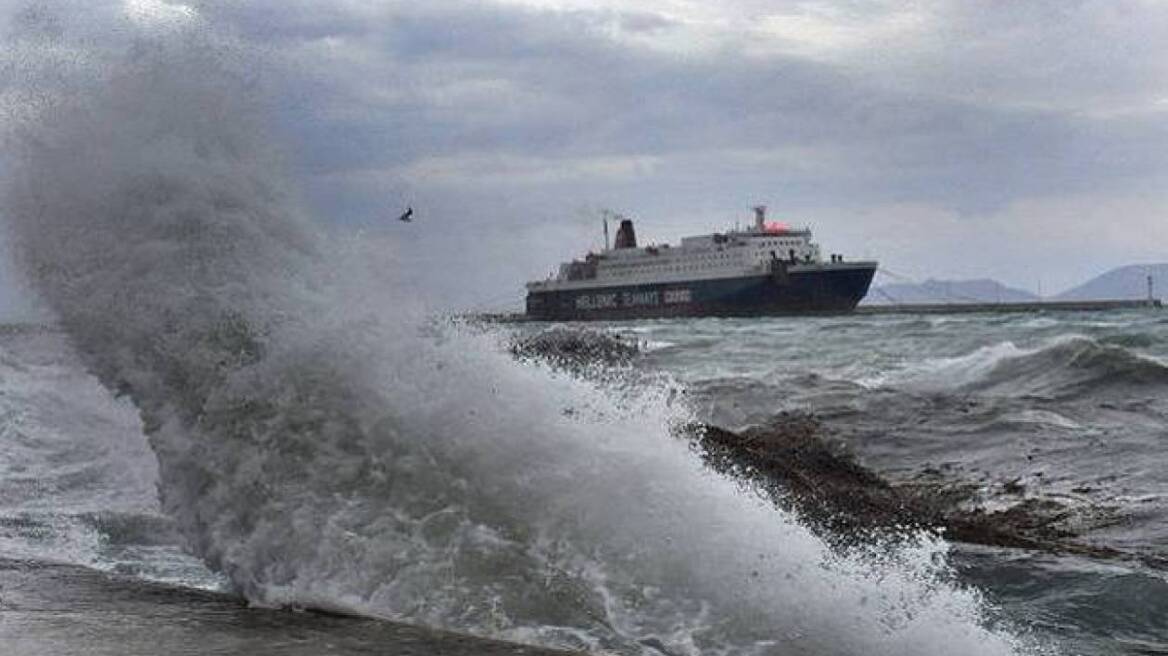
<point x="458" y="78"/>
<point x="512" y="112"/>
<point x="514" y="122"/>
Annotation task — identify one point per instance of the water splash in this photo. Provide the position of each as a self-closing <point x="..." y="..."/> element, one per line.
<point x="325" y="446"/>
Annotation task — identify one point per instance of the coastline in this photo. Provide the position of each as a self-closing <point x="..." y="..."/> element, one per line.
<point x="49" y="608"/>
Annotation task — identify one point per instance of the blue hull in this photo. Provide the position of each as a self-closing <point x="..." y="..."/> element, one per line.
<point x="818" y="291"/>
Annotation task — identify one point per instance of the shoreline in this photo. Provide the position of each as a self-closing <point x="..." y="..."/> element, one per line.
<point x="50" y="608"/>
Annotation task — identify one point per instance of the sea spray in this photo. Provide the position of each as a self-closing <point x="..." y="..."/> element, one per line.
<point x="325" y="447"/>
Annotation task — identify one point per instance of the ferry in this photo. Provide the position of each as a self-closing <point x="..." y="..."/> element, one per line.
<point x="766" y="269"/>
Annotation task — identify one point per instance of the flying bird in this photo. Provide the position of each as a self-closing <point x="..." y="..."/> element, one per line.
<point x="407" y="215"/>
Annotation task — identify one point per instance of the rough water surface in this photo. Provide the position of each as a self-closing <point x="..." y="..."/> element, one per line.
<point x="1032" y="442"/>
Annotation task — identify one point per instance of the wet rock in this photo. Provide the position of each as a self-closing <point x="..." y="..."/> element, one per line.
<point x="575" y="347"/>
<point x="805" y="471"/>
<point x="1015" y="486"/>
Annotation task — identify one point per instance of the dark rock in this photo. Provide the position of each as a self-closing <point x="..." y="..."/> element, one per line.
<point x="1015" y="486"/>
<point x="814" y="477"/>
<point x="805" y="471"/>
<point x="575" y="348"/>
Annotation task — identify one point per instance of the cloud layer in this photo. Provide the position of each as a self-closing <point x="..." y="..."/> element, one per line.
<point x="908" y="130"/>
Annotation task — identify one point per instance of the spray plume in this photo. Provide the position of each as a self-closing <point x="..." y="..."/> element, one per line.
<point x="326" y="447"/>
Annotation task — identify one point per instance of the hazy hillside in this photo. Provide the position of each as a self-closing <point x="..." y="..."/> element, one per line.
<point x="947" y="291"/>
<point x="1124" y="282"/>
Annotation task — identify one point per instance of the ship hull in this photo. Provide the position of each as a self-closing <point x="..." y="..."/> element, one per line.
<point x="827" y="289"/>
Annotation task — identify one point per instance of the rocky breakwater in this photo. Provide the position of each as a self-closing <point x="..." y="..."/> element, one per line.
<point x="803" y="469"/>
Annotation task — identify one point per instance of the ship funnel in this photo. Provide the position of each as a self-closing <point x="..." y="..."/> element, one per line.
<point x="760" y="217"/>
<point x="625" y="236"/>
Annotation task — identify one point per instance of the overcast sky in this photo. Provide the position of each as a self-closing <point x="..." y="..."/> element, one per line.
<point x="1024" y="141"/>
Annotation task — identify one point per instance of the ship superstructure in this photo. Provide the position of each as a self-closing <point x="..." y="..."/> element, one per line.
<point x="768" y="268"/>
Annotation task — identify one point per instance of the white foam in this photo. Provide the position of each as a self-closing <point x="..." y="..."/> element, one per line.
<point x="322" y="444"/>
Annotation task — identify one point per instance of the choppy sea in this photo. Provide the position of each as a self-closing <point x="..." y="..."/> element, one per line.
<point x="1062" y="406"/>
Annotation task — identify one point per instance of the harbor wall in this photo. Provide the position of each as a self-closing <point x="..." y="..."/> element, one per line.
<point x="1030" y="306"/>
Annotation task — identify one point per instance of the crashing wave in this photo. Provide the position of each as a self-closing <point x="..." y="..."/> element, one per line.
<point x="325" y="448"/>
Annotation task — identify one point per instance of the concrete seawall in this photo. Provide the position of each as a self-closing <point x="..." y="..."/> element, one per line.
<point x="50" y="608"/>
<point x="1035" y="306"/>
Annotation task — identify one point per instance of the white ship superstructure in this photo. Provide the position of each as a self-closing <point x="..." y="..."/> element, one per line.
<point x="767" y="268"/>
<point x="733" y="253"/>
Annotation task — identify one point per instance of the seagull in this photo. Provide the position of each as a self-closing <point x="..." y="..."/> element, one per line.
<point x="406" y="215"/>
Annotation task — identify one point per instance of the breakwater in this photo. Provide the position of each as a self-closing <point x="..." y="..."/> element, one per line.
<point x="1033" y="306"/>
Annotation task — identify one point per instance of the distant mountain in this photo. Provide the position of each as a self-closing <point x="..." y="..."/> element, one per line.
<point x="947" y="291"/>
<point x="1126" y="282"/>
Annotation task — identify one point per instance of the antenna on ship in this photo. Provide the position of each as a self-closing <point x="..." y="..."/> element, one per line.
<point x="605" y="220"/>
